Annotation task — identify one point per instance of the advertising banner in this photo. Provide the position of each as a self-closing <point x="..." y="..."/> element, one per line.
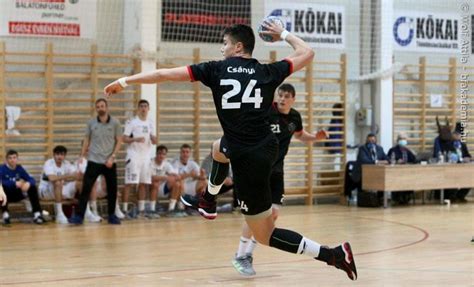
<point x="48" y="18"/>
<point x="201" y="21"/>
<point x="426" y="32"/>
<point x="319" y="25"/>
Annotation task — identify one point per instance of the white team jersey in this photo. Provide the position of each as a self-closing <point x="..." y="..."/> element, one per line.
<point x="50" y="168"/>
<point x="138" y="128"/>
<point x="165" y="168"/>
<point x="188" y="168"/>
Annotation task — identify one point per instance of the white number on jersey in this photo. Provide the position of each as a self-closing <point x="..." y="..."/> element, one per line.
<point x="246" y="98"/>
<point x="243" y="206"/>
<point x="275" y="128"/>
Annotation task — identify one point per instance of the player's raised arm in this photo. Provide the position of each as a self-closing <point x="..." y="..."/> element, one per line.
<point x="152" y="77"/>
<point x="303" y="53"/>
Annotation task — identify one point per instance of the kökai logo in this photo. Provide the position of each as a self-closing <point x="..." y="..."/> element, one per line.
<point x="403" y="31"/>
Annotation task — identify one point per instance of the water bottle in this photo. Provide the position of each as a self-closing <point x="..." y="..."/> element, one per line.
<point x="440" y="157"/>
<point x="393" y="159"/>
<point x="405" y="157"/>
<point x="449" y="157"/>
<point x="459" y="153"/>
<point x="353" y="198"/>
<point x="457" y="146"/>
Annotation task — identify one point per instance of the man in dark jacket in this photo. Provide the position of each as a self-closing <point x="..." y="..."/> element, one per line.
<point x="371" y="153"/>
<point x="18" y="185"/>
<point x="403" y="154"/>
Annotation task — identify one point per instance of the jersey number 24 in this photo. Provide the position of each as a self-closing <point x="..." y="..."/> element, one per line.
<point x="256" y="100"/>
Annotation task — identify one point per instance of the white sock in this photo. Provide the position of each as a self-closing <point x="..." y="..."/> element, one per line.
<point x="172" y="204"/>
<point x="213" y="189"/>
<point x="309" y="247"/>
<point x="58" y="208"/>
<point x="36" y="214"/>
<point x="88" y="210"/>
<point x="152" y="205"/>
<point x="5" y="215"/>
<point x="243" y="244"/>
<point x="125" y="206"/>
<point x="180" y="206"/>
<point x="141" y="205"/>
<point x="93" y="204"/>
<point x="28" y="206"/>
<point x="251" y="245"/>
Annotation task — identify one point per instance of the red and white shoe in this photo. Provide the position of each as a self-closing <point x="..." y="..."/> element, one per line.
<point x="344" y="259"/>
<point x="207" y="209"/>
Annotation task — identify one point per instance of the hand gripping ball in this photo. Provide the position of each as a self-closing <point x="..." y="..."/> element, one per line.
<point x="265" y="37"/>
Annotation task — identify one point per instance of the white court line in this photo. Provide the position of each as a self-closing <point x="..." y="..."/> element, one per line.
<point x="167" y="278"/>
<point x="142" y="276"/>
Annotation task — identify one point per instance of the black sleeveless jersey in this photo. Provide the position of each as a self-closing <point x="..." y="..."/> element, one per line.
<point x="284" y="126"/>
<point x="243" y="91"/>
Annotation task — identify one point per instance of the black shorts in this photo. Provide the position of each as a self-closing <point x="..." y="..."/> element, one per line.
<point x="277" y="186"/>
<point x="252" y="171"/>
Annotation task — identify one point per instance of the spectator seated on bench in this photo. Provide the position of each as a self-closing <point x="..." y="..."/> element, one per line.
<point x="18" y="185"/>
<point x="59" y="181"/>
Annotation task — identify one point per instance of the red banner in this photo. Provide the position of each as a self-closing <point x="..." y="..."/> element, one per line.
<point x="201" y="21"/>
<point x="42" y="1"/>
<point x="49" y="29"/>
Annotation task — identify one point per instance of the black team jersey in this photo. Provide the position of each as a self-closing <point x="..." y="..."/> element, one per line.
<point x="284" y="126"/>
<point x="243" y="91"/>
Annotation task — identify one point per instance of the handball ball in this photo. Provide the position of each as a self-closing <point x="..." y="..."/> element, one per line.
<point x="265" y="37"/>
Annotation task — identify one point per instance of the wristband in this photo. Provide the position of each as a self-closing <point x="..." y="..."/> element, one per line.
<point x="122" y="82"/>
<point x="284" y="34"/>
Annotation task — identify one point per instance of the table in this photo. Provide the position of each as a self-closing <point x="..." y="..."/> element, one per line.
<point x="409" y="177"/>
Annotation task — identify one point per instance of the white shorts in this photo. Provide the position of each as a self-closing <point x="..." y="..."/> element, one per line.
<point x="190" y="187"/>
<point x="47" y="191"/>
<point x="137" y="171"/>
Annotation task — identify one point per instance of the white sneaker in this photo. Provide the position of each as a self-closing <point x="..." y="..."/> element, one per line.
<point x="119" y="213"/>
<point x="61" y="219"/>
<point x="90" y="217"/>
<point x="97" y="216"/>
<point x="27" y="204"/>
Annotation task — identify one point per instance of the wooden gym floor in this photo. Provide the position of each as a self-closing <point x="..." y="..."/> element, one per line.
<point x="423" y="245"/>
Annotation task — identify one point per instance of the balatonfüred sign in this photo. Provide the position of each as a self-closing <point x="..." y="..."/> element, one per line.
<point x="48" y="18"/>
